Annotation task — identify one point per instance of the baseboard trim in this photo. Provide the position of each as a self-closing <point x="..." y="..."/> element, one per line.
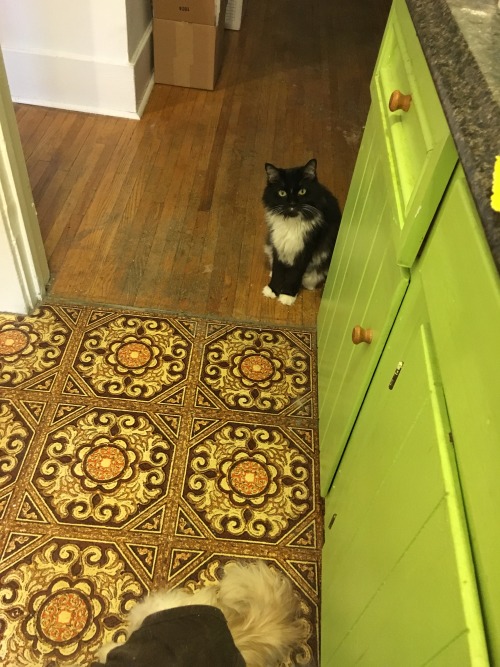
<point x="66" y="81"/>
<point x="145" y="97"/>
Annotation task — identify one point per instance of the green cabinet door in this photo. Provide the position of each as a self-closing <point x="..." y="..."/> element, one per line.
<point x="462" y="291"/>
<point x="398" y="583"/>
<point x="365" y="287"/>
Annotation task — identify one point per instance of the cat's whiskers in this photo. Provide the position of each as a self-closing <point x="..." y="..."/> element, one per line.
<point x="312" y="209"/>
<point x="306" y="212"/>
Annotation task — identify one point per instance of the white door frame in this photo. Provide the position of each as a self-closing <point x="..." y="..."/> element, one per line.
<point x="24" y="271"/>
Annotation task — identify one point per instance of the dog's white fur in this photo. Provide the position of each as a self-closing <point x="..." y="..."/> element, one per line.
<point x="260" y="606"/>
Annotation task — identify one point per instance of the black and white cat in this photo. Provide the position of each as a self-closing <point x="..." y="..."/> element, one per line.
<point x="303" y="219"/>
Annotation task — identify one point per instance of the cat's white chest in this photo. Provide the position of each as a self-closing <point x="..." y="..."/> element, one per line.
<point x="287" y="236"/>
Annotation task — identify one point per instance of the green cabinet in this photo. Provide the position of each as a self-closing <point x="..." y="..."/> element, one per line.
<point x="405" y="161"/>
<point x="365" y="284"/>
<point x="410" y="562"/>
<point x="398" y="580"/>
<point x="410" y="473"/>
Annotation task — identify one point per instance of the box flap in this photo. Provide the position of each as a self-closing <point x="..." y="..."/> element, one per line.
<point x="204" y="12"/>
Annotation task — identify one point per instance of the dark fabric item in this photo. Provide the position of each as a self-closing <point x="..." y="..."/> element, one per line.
<point x="191" y="636"/>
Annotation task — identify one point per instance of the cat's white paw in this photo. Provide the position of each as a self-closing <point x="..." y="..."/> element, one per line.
<point x="286" y="299"/>
<point x="267" y="291"/>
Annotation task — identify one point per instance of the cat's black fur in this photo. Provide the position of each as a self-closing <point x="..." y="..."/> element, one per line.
<point x="303" y="219"/>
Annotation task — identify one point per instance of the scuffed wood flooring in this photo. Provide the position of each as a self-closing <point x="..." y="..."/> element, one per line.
<point x="165" y="213"/>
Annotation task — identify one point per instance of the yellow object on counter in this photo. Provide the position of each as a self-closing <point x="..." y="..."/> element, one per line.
<point x="495" y="197"/>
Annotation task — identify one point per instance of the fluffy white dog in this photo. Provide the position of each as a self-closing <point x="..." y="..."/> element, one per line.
<point x="259" y="605"/>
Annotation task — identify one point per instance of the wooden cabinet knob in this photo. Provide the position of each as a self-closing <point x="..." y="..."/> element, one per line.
<point x="399" y="101"/>
<point x="360" y="335"/>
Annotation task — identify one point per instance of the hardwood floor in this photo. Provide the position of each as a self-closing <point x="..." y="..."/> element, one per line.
<point x="165" y="213"/>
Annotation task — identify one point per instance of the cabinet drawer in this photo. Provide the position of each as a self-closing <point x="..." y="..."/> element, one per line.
<point x="421" y="153"/>
<point x="365" y="286"/>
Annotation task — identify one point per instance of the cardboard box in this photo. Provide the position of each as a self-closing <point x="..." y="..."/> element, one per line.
<point x="188" y="54"/>
<point x="203" y="12"/>
<point x="234" y="13"/>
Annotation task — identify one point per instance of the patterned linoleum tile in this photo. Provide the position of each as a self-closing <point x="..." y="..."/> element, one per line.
<point x="139" y="451"/>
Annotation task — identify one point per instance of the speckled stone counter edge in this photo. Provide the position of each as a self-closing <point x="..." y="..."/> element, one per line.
<point x="472" y="113"/>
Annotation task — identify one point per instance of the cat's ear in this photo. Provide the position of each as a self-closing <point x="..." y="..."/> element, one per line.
<point x="273" y="174"/>
<point x="310" y="170"/>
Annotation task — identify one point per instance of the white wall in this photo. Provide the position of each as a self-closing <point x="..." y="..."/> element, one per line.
<point x="88" y="55"/>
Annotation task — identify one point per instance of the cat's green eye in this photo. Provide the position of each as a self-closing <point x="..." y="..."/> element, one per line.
<point x="302" y="191"/>
<point x="282" y="193"/>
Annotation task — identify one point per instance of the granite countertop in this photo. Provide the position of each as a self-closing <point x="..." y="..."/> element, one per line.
<point x="461" y="42"/>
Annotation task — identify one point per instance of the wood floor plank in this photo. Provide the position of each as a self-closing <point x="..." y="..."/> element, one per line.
<point x="69" y="200"/>
<point x="69" y="196"/>
<point x="32" y="125"/>
<point x="186" y="252"/>
<point x="37" y="173"/>
<point x="107" y="206"/>
<point x="166" y="212"/>
<point x="46" y="191"/>
<point x="54" y="135"/>
<point x="91" y="236"/>
<point x="183" y="180"/>
<point x="192" y="296"/>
